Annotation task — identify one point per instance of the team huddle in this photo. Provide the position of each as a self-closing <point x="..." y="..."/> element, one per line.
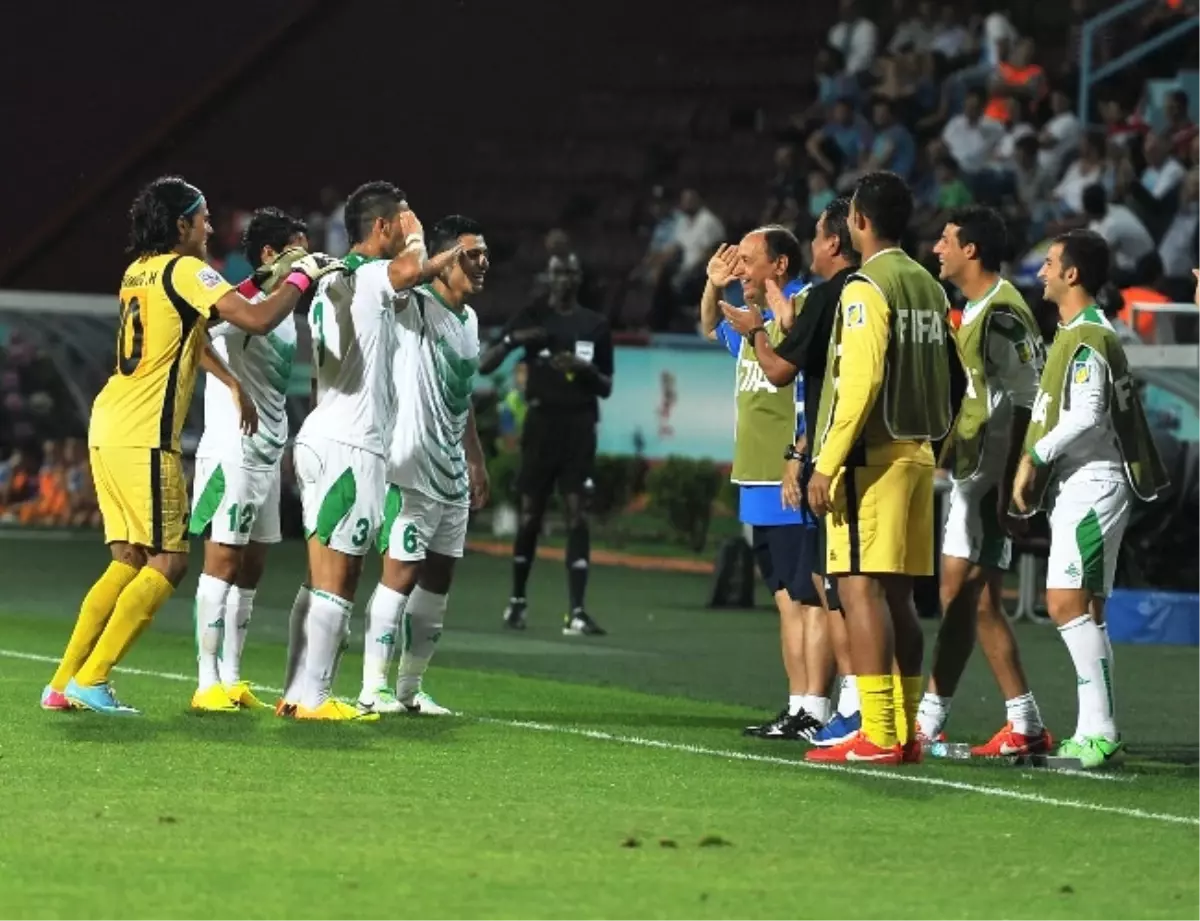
<point x="1063" y="431"/>
<point x="390" y="320"/>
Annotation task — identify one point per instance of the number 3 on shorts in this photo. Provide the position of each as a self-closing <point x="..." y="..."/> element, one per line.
<point x="410" y="538"/>
<point x="361" y="528"/>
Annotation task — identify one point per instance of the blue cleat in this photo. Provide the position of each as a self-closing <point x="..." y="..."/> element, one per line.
<point x="837" y="730"/>
<point x="98" y="699"/>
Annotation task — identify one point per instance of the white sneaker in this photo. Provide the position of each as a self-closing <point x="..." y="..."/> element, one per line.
<point x="425" y="705"/>
<point x="381" y="701"/>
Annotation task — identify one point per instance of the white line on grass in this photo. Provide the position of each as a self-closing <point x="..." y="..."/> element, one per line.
<point x="874" y="774"/>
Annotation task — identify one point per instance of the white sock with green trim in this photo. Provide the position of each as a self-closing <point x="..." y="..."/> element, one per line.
<point x="423" y="618"/>
<point x="239" y="605"/>
<point x="324" y="633"/>
<point x="293" y="674"/>
<point x="384" y="611"/>
<point x="211" y="594"/>
<point x="1093" y="671"/>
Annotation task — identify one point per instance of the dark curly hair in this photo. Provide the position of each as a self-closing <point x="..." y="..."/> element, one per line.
<point x="271" y="227"/>
<point x="155" y="213"/>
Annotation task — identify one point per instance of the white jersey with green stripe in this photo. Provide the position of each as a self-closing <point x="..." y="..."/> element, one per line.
<point x="437" y="356"/>
<point x="354" y="342"/>
<point x="263" y="365"/>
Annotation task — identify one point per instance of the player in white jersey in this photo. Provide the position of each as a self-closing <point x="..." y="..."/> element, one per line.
<point x="1000" y="347"/>
<point x="1090" y="451"/>
<point x="436" y="473"/>
<point x="235" y="501"/>
<point x="341" y="449"/>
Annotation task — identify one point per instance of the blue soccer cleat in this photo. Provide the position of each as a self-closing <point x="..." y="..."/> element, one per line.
<point x="837" y="730"/>
<point x="99" y="699"/>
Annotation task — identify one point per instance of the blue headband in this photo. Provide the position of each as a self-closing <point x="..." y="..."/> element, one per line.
<point x="194" y="205"/>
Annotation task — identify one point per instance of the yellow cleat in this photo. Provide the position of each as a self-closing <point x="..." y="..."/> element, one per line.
<point x="241" y="695"/>
<point x="213" y="700"/>
<point x="284" y="709"/>
<point x="335" y="710"/>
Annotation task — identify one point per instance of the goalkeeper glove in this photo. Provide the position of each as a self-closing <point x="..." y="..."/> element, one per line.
<point x="308" y="269"/>
<point x="268" y="276"/>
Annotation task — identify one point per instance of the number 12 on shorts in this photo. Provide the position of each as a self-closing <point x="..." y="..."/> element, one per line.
<point x="241" y="517"/>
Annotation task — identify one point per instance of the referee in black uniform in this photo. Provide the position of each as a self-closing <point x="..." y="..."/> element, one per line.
<point x="569" y="353"/>
<point x="805" y="349"/>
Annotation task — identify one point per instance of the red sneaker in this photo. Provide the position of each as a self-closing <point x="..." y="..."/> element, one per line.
<point x="1006" y="743"/>
<point x="856" y="748"/>
<point x="913" y="751"/>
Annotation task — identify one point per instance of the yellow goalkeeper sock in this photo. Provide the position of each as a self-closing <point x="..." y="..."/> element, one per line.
<point x="135" y="609"/>
<point x="912" y="690"/>
<point x="877" y="696"/>
<point x="898" y="708"/>
<point x="94" y="613"/>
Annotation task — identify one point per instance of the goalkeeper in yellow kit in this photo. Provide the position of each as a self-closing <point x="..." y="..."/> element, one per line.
<point x="167" y="296"/>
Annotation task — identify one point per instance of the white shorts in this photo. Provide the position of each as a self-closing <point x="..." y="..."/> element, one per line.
<point x="414" y="523"/>
<point x="973" y="529"/>
<point x="235" y="504"/>
<point x="341" y="490"/>
<point x="1087" y="523"/>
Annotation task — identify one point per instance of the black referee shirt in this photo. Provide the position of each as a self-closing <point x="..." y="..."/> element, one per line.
<point x="581" y="332"/>
<point x="807" y="343"/>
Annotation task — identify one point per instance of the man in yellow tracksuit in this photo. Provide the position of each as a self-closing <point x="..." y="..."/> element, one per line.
<point x="874" y="464"/>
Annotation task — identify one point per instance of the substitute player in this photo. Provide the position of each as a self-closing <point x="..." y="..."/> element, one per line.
<point x="166" y="295"/>
<point x="569" y="352"/>
<point x="873" y="463"/>
<point x="237" y="484"/>
<point x="769" y="419"/>
<point x="1088" y="452"/>
<point x="340" y="452"/>
<point x="436" y="473"/>
<point x="803" y="355"/>
<point x="1001" y="352"/>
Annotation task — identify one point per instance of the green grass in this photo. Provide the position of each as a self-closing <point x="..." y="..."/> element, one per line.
<point x="569" y="752"/>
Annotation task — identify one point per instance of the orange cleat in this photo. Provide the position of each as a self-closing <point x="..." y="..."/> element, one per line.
<point x="857" y="748"/>
<point x="284" y="709"/>
<point x="1006" y="744"/>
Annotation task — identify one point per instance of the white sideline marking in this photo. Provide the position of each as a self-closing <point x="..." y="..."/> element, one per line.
<point x="875" y="774"/>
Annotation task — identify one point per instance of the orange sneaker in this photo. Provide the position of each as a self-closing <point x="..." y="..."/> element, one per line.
<point x="1006" y="743"/>
<point x="856" y="748"/>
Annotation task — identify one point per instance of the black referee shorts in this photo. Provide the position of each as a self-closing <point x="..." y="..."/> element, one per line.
<point x="557" y="449"/>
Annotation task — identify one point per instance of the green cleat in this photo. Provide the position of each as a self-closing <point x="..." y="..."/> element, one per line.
<point x="1092" y="751"/>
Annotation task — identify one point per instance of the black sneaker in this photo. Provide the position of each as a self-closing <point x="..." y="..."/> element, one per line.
<point x="514" y="614"/>
<point x="578" y="623"/>
<point x="786" y="726"/>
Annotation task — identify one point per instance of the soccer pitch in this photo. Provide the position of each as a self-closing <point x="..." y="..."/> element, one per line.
<point x="585" y="778"/>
